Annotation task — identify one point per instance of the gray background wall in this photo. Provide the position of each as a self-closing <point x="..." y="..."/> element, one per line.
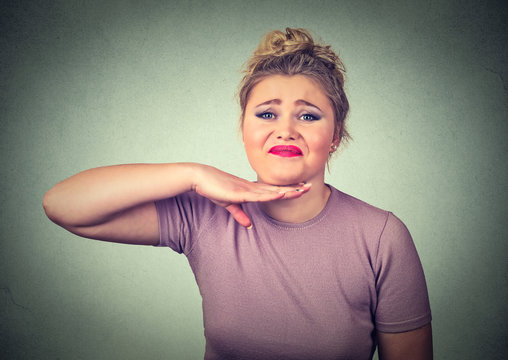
<point x="85" y="84"/>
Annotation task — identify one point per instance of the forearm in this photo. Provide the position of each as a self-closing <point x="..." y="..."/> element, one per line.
<point x="93" y="196"/>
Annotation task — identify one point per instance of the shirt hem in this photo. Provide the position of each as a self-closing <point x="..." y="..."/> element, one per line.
<point x="404" y="326"/>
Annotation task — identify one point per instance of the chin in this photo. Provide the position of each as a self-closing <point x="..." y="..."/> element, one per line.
<point x="282" y="179"/>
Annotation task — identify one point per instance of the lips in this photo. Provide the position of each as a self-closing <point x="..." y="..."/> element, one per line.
<point x="286" y="151"/>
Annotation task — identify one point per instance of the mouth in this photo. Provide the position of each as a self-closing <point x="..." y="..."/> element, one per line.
<point x="286" y="151"/>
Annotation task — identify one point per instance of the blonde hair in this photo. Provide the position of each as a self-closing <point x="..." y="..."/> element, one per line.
<point x="295" y="53"/>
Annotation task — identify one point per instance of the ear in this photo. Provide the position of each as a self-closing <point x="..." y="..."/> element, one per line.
<point x="240" y="128"/>
<point x="335" y="143"/>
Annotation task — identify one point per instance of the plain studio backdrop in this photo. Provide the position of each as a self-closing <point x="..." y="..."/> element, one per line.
<point x="86" y="84"/>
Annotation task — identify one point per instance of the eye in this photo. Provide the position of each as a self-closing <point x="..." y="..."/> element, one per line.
<point x="309" y="117"/>
<point x="266" y="115"/>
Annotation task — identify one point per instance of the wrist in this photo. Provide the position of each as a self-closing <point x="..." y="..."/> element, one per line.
<point x="196" y="172"/>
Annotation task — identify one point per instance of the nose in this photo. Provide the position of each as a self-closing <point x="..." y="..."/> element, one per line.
<point x="285" y="129"/>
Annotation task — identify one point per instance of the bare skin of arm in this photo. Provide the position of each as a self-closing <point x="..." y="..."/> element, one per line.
<point x="116" y="203"/>
<point x="410" y="345"/>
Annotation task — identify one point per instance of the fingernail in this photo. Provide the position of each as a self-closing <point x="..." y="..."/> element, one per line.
<point x="249" y="227"/>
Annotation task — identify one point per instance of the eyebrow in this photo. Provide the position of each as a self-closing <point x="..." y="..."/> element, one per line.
<point x="268" y="102"/>
<point x="301" y="101"/>
<point x="298" y="102"/>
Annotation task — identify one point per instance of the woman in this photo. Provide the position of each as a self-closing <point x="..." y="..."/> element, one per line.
<point x="288" y="267"/>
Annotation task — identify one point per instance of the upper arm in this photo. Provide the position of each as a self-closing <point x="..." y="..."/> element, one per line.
<point x="410" y="345"/>
<point x="137" y="225"/>
<point x="402" y="299"/>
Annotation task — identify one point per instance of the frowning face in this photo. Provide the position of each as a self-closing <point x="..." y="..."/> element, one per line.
<point x="288" y="130"/>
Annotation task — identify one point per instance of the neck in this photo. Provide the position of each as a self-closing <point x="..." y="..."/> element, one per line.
<point x="300" y="209"/>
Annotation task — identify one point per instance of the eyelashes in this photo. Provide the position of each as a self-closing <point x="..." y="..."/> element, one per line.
<point x="268" y="115"/>
<point x="310" y="117"/>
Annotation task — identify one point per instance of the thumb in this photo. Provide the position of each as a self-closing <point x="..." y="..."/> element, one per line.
<point x="239" y="215"/>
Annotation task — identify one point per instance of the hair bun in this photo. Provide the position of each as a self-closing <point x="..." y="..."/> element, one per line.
<point x="295" y="42"/>
<point x="278" y="43"/>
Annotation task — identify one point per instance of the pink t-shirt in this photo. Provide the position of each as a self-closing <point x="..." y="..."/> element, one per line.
<point x="313" y="290"/>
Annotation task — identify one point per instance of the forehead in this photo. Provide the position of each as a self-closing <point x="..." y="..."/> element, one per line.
<point x="288" y="89"/>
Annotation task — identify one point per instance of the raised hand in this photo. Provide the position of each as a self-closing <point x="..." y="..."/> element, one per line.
<point x="229" y="191"/>
<point x="116" y="203"/>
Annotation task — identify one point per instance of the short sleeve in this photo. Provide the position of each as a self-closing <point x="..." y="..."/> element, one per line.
<point x="402" y="298"/>
<point x="180" y="220"/>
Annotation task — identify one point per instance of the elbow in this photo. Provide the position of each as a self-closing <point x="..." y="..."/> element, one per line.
<point x="47" y="205"/>
<point x="56" y="209"/>
<point x="50" y="204"/>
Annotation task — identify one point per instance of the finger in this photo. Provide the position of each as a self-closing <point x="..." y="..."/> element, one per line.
<point x="287" y="188"/>
<point x="262" y="197"/>
<point x="295" y="193"/>
<point x="283" y="193"/>
<point x="265" y="188"/>
<point x="254" y="195"/>
<point x="270" y="190"/>
<point x="239" y="215"/>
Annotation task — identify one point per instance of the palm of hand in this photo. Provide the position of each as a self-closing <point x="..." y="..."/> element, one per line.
<point x="229" y="191"/>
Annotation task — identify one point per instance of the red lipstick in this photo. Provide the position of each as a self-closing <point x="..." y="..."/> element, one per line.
<point x="286" y="151"/>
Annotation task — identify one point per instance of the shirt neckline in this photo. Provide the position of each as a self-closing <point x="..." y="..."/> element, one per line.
<point x="298" y="226"/>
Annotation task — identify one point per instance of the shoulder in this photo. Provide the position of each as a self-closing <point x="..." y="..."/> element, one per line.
<point x="188" y="203"/>
<point x="381" y="228"/>
<point x="183" y="217"/>
<point x="357" y="211"/>
<point x="187" y="210"/>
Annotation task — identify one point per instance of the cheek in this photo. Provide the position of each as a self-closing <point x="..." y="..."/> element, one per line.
<point x="320" y="141"/>
<point x="253" y="138"/>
